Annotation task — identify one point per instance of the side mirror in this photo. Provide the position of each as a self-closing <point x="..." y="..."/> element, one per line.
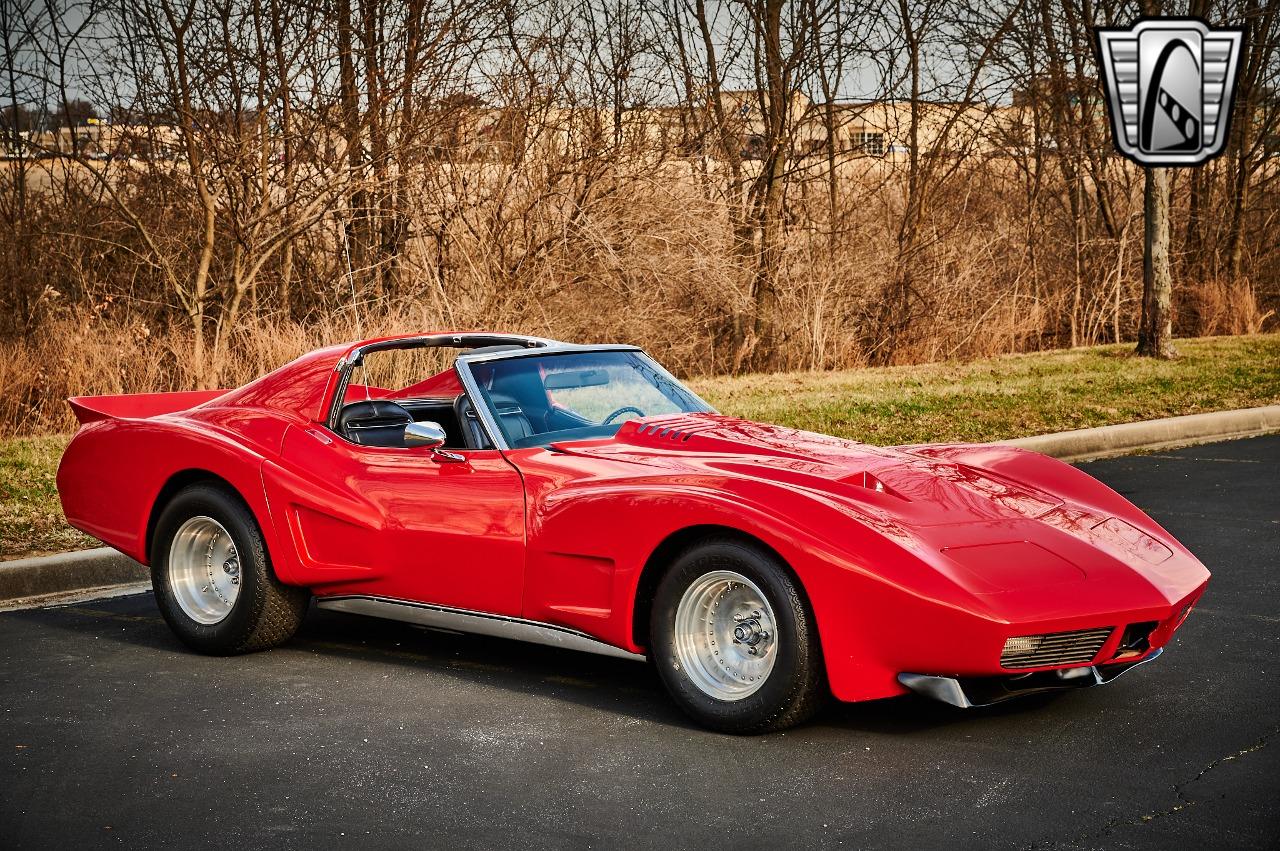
<point x="428" y="435"/>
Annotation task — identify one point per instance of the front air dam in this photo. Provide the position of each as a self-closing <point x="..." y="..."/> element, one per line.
<point x="966" y="692"/>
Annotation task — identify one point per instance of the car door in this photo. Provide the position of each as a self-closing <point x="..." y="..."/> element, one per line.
<point x="401" y="523"/>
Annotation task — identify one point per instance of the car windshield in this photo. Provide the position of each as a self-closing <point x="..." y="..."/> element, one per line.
<point x="538" y="400"/>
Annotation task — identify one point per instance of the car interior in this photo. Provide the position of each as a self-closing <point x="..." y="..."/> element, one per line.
<point x="532" y="398"/>
<point x="380" y="422"/>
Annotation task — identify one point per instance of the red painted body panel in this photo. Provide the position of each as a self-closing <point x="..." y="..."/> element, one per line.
<point x="396" y="523"/>
<point x="441" y="384"/>
<point x="921" y="559"/>
<point x="90" y="409"/>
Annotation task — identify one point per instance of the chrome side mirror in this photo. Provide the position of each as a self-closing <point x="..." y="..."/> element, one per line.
<point x="428" y="435"/>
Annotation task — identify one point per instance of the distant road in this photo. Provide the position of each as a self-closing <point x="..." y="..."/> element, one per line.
<point x="370" y="734"/>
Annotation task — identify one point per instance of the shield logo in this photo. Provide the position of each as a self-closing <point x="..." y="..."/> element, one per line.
<point x="1169" y="85"/>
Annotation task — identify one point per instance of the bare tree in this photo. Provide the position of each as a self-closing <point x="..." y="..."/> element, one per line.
<point x="1257" y="119"/>
<point x="934" y="157"/>
<point x="1155" y="331"/>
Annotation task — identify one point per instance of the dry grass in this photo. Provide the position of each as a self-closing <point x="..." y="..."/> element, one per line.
<point x="30" y="517"/>
<point x="984" y="400"/>
<point x="1217" y="307"/>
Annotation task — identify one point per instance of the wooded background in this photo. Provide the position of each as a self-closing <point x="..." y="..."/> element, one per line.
<point x="196" y="191"/>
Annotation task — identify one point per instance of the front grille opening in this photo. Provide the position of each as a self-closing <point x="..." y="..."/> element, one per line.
<point x="1054" y="648"/>
<point x="1136" y="640"/>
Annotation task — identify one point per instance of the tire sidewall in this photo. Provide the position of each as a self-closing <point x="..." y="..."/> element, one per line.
<point x="796" y="648"/>
<point x="228" y="634"/>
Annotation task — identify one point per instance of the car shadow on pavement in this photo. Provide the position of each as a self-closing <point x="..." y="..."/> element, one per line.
<point x="911" y="713"/>
<point x="597" y="682"/>
<point x="600" y="682"/>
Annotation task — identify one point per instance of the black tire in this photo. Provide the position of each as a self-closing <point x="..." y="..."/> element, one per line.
<point x="796" y="686"/>
<point x="265" y="613"/>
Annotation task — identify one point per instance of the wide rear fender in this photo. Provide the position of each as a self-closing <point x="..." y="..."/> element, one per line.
<point x="114" y="471"/>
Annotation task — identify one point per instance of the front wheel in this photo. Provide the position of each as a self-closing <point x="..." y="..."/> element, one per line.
<point x="213" y="579"/>
<point x="734" y="641"/>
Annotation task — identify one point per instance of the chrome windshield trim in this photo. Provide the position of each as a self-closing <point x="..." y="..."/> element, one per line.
<point x="552" y="349"/>
<point x="479" y="623"/>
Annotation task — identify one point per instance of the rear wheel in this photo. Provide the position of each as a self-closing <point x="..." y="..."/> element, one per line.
<point x="734" y="641"/>
<point x="213" y="579"/>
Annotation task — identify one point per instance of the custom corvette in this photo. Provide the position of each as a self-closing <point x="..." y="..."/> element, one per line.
<point x="581" y="496"/>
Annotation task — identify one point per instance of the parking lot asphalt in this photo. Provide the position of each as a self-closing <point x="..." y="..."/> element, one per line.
<point x="368" y="734"/>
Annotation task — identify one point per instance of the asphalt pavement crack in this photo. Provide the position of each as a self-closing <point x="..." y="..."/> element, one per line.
<point x="1179" y="789"/>
<point x="1187" y="802"/>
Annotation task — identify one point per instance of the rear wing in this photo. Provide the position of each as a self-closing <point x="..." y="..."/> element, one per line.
<point x="137" y="406"/>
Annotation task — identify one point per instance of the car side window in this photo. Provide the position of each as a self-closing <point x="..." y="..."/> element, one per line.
<point x="392" y="387"/>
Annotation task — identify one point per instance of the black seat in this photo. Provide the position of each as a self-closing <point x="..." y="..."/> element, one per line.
<point x="509" y="413"/>
<point x="472" y="431"/>
<point x="374" y="422"/>
<point x="511" y="417"/>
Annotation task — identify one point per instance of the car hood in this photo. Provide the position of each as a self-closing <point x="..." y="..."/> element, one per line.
<point x="917" y="490"/>
<point x="992" y="531"/>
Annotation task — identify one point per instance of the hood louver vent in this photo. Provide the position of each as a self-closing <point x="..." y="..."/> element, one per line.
<point x="668" y="431"/>
<point x="665" y="432"/>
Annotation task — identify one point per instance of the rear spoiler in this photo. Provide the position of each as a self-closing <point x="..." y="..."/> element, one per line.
<point x="137" y="406"/>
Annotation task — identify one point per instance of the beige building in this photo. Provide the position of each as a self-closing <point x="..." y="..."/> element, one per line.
<point x="464" y="128"/>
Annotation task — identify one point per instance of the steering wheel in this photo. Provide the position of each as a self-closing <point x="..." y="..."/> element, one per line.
<point x="624" y="409"/>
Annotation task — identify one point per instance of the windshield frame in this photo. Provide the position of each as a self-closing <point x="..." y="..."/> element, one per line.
<point x="346" y="366"/>
<point x="481" y="402"/>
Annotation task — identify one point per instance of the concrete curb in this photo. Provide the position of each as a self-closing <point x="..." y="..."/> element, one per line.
<point x="67" y="573"/>
<point x="1106" y="441"/>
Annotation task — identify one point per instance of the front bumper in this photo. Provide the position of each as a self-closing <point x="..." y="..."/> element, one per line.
<point x="966" y="692"/>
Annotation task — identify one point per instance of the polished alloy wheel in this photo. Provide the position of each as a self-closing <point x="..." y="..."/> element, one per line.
<point x="204" y="570"/>
<point x="726" y="637"/>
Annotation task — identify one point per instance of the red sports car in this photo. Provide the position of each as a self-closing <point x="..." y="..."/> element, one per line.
<point x="581" y="496"/>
